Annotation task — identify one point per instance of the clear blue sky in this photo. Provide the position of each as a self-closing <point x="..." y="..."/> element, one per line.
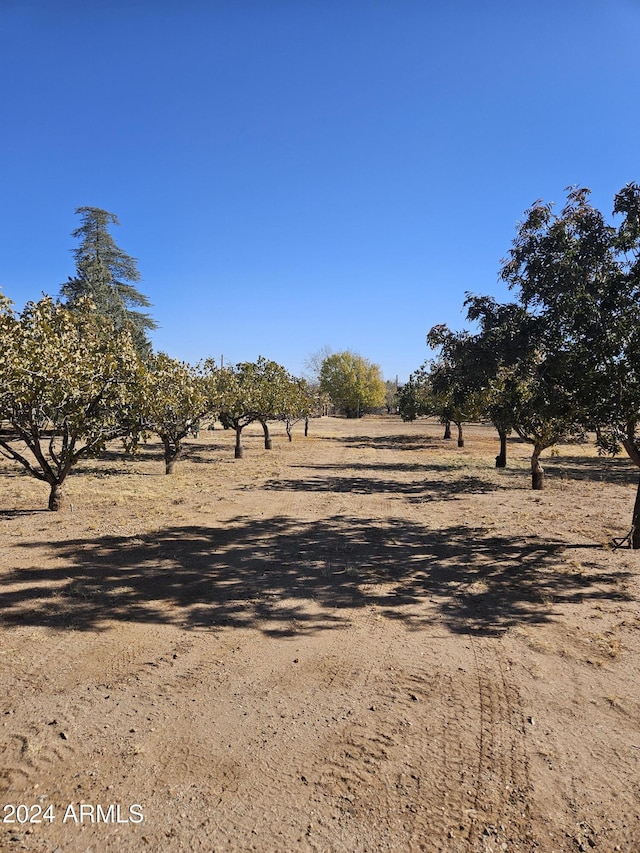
<point x="292" y="174"/>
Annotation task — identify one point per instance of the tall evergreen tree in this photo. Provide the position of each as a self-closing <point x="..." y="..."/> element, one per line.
<point x="108" y="275"/>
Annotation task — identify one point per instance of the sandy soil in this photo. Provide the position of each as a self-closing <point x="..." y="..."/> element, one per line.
<point x="365" y="640"/>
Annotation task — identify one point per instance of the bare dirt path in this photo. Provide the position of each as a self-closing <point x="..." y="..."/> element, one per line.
<point x="365" y="640"/>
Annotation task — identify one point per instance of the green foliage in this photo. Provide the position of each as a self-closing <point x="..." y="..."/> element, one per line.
<point x="446" y="387"/>
<point x="506" y="339"/>
<point x="454" y="376"/>
<point x="175" y="398"/>
<point x="263" y="389"/>
<point x="259" y="391"/>
<point x="582" y="278"/>
<point x="353" y="383"/>
<point x="415" y="397"/>
<point x="107" y="275"/>
<point x="68" y="382"/>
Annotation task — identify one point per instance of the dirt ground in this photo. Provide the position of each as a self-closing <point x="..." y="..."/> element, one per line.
<point x="365" y="640"/>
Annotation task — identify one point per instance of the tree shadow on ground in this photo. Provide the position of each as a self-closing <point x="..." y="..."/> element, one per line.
<point x="16" y="513"/>
<point x="287" y="577"/>
<point x="206" y="453"/>
<point x="620" y="471"/>
<point x="448" y="469"/>
<point x="395" y="442"/>
<point x="425" y="467"/>
<point x="414" y="491"/>
<point x="112" y="462"/>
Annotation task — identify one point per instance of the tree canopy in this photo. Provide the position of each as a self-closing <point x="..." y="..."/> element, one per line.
<point x="353" y="383"/>
<point x="176" y="397"/>
<point x="108" y="275"/>
<point x="68" y="382"/>
<point x="261" y="391"/>
<point x="581" y="278"/>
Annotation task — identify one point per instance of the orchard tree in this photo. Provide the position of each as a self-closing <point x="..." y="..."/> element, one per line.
<point x="107" y="275"/>
<point x="176" y="397"/>
<point x="299" y="403"/>
<point x="543" y="410"/>
<point x="503" y="341"/>
<point x="522" y="378"/>
<point x="236" y="409"/>
<point x="508" y="371"/>
<point x="454" y="377"/>
<point x="353" y="383"/>
<point x="69" y="382"/>
<point x="256" y="391"/>
<point x="415" y="397"/>
<point x="581" y="276"/>
<point x="276" y="396"/>
<point x="444" y="387"/>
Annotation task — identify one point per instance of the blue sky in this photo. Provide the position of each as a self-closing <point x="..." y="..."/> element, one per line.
<point x="294" y="174"/>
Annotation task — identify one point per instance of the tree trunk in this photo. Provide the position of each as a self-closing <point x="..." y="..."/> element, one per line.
<point x="288" y="427"/>
<point x="171" y="453"/>
<point x="55" y="497"/>
<point x="537" y="471"/>
<point x="634" y="455"/>
<point x="501" y="458"/>
<point x="447" y="430"/>
<point x="238" y="453"/>
<point x="306" y="427"/>
<point x="267" y="437"/>
<point x="635" y="522"/>
<point x="460" y="438"/>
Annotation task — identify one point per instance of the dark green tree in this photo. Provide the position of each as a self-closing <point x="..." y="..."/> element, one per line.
<point x="107" y="275"/>
<point x="415" y="397"/>
<point x="504" y="340"/>
<point x="445" y="387"/>
<point x="508" y="371"/>
<point x="581" y="277"/>
<point x="454" y="377"/>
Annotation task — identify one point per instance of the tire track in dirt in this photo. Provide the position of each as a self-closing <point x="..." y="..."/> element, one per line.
<point x="440" y="760"/>
<point x="373" y="746"/>
<point x="37" y="658"/>
<point x="287" y="746"/>
<point x="34" y="754"/>
<point x="107" y="657"/>
<point x="503" y="787"/>
<point x="485" y="782"/>
<point x="31" y="751"/>
<point x="378" y="766"/>
<point x="186" y="745"/>
<point x="353" y="752"/>
<point x="347" y="755"/>
<point x="445" y="785"/>
<point x="249" y="802"/>
<point x="473" y="745"/>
